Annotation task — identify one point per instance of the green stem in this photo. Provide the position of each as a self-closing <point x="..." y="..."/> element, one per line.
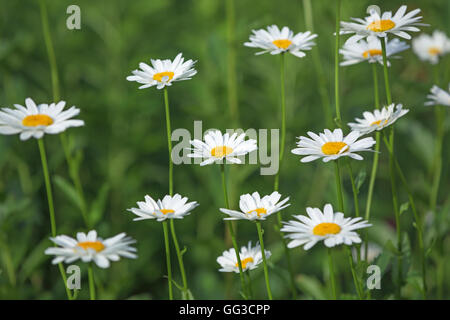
<point x="354" y="275"/>
<point x="373" y="173"/>
<point x="355" y="191"/>
<point x="277" y="176"/>
<point x="336" y="64"/>
<point x="231" y="230"/>
<point x="338" y="185"/>
<point x="179" y="256"/>
<point x="321" y="78"/>
<point x="169" y="265"/>
<point x="169" y="140"/>
<point x="91" y="282"/>
<point x="332" y="277"/>
<point x="50" y="50"/>
<point x="417" y="218"/>
<point x="266" y="273"/>
<point x="231" y="65"/>
<point x="249" y="280"/>
<point x="392" y="171"/>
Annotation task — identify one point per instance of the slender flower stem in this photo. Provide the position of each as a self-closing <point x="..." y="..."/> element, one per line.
<point x="250" y="289"/>
<point x="91" y="282"/>
<point x="231" y="59"/>
<point x="172" y="224"/>
<point x="231" y="231"/>
<point x="266" y="273"/>
<point x="277" y="176"/>
<point x="332" y="277"/>
<point x="47" y="186"/>
<point x="336" y="64"/>
<point x="321" y="79"/>
<point x="373" y="173"/>
<point x="169" y="140"/>
<point x="354" y="275"/>
<point x="355" y="191"/>
<point x="417" y="218"/>
<point x="338" y="185"/>
<point x="392" y="172"/>
<point x="169" y="265"/>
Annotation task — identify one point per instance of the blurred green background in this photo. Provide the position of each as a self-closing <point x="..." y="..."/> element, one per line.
<point x="123" y="155"/>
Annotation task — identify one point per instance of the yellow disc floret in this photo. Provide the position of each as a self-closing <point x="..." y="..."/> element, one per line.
<point x="36" y="120"/>
<point x="95" y="245"/>
<point x="282" y="43"/>
<point x="331" y="148"/>
<point x="325" y="228"/>
<point x="381" y="25"/>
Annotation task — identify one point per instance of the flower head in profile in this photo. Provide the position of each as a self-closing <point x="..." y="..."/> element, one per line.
<point x="250" y="257"/>
<point x="378" y="119"/>
<point x="253" y="207"/>
<point x="36" y="120"/>
<point x="370" y="50"/>
<point x="373" y="251"/>
<point x="278" y="41"/>
<point x="327" y="226"/>
<point x="163" y="72"/>
<point x="438" y="96"/>
<point x="88" y="247"/>
<point x="218" y="147"/>
<point x="381" y="24"/>
<point x="175" y="207"/>
<point x="332" y="145"/>
<point x="431" y="48"/>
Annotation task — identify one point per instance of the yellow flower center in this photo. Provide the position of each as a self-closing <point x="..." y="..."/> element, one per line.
<point x="166" y="211"/>
<point x="372" y="53"/>
<point x="37" y="120"/>
<point x="258" y="211"/>
<point x="282" y="43"/>
<point x="96" y="245"/>
<point x="378" y="122"/>
<point x="330" y="148"/>
<point x="221" y="151"/>
<point x="381" y="25"/>
<point x="434" y="51"/>
<point x="244" y="262"/>
<point x="324" y="228"/>
<point x="159" y="76"/>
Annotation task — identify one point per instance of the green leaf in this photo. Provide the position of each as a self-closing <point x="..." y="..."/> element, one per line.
<point x="98" y="205"/>
<point x="34" y="260"/>
<point x="68" y="190"/>
<point x="187" y="295"/>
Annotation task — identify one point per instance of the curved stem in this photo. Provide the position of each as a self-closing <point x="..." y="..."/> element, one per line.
<point x="179" y="256"/>
<point x="263" y="253"/>
<point x="332" y="278"/>
<point x="231" y="62"/>
<point x="169" y="265"/>
<point x="385" y="72"/>
<point x="355" y="191"/>
<point x="336" y="64"/>
<point x="230" y="229"/>
<point x="91" y="282"/>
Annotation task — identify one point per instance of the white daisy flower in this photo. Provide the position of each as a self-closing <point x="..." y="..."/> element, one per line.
<point x="380" y="25"/>
<point x="431" y="48"/>
<point x="332" y="145"/>
<point x="37" y="120"/>
<point x="250" y="257"/>
<point x="278" y="41"/>
<point x="439" y="96"/>
<point x="331" y="228"/>
<point x="88" y="247"/>
<point x="370" y="50"/>
<point x="379" y="119"/>
<point x="169" y="207"/>
<point x="253" y="207"/>
<point x="218" y="147"/>
<point x="163" y="72"/>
